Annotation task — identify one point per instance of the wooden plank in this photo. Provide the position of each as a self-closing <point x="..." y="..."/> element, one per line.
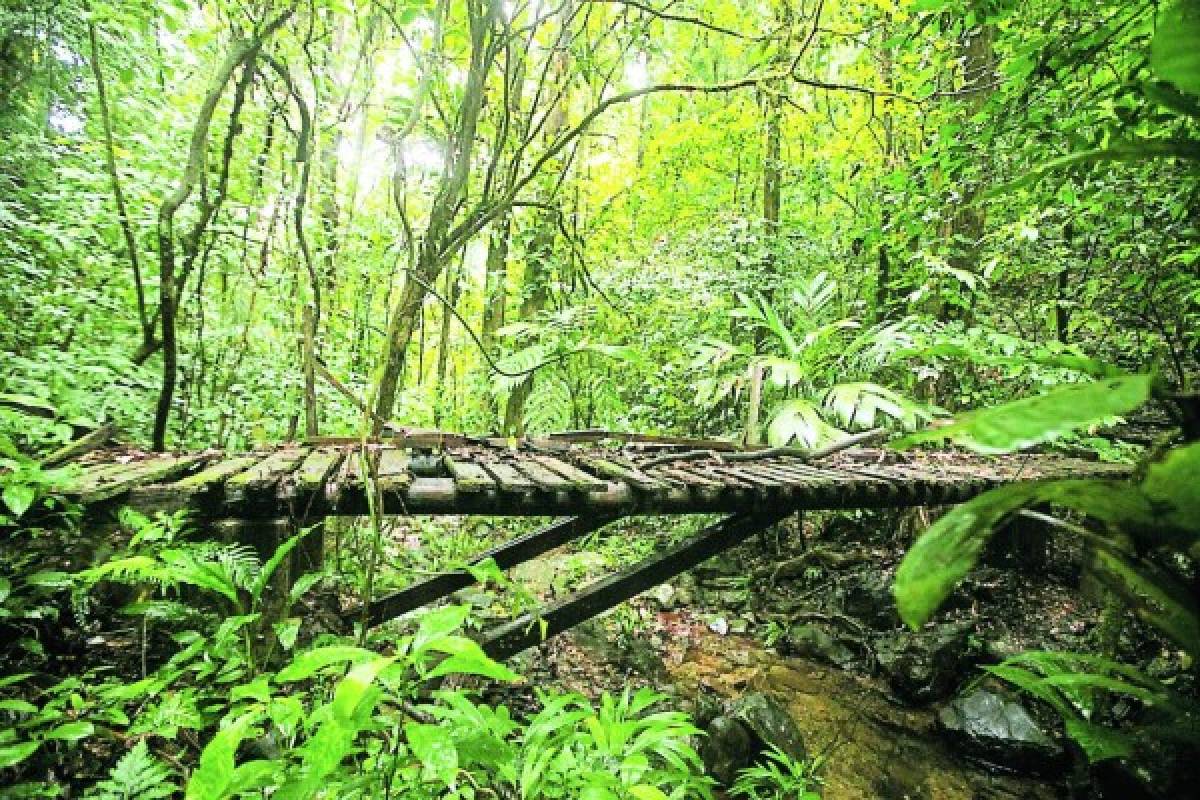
<point x="393" y="474"/>
<point x="580" y="479"/>
<point x="688" y="477"/>
<point x="508" y="477"/>
<point x="264" y="477"/>
<point x="468" y="476"/>
<point x="310" y="477"/>
<point x="613" y="470"/>
<point x="100" y="485"/>
<point x="544" y="478"/>
<point x="194" y="491"/>
<point x="506" y="555"/>
<point x="527" y="630"/>
<point x="740" y="473"/>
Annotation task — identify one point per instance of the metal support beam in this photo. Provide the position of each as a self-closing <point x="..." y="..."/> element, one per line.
<point x="534" y="628"/>
<point x="506" y="555"/>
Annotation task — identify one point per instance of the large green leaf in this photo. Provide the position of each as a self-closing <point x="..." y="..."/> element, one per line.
<point x="1173" y="487"/>
<point x="1174" y="53"/>
<point x="1034" y="420"/>
<point x="72" y="731"/>
<point x="798" y="421"/>
<point x="943" y="555"/>
<point x="13" y="754"/>
<point x="434" y="747"/>
<point x="308" y="663"/>
<point x="214" y="775"/>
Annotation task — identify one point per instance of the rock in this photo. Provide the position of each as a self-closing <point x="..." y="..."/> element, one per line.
<point x="770" y="723"/>
<point x="813" y="641"/>
<point x="630" y="653"/>
<point x="925" y="666"/>
<point x="727" y="748"/>
<point x="1161" y="768"/>
<point x="872" y="603"/>
<point x="989" y="724"/>
<point x="663" y="596"/>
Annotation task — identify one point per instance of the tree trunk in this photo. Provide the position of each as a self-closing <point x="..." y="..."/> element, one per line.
<point x="241" y="56"/>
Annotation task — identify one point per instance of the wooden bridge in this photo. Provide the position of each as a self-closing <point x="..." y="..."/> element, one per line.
<point x="589" y="478"/>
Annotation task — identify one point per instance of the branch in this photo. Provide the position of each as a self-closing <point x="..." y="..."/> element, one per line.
<point x="770" y="452"/>
<point x="700" y="23"/>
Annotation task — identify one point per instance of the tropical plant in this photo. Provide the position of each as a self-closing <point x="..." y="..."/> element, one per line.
<point x="779" y="777"/>
<point x="807" y="367"/>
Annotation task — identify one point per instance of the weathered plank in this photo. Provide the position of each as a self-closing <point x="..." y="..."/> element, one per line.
<point x="100" y="485"/>
<point x="532" y="629"/>
<point x="509" y="478"/>
<point x="578" y="478"/>
<point x="544" y="478"/>
<point x="310" y="477"/>
<point x="613" y="470"/>
<point x="197" y="491"/>
<point x="263" y="478"/>
<point x="392" y="472"/>
<point x="468" y="476"/>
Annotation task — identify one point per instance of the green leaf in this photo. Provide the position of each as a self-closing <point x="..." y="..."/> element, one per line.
<point x="214" y="775"/>
<point x="19" y="497"/>
<point x="13" y="754"/>
<point x="1174" y="55"/>
<point x="438" y="623"/>
<point x="18" y="706"/>
<point x="943" y="555"/>
<point x="799" y="421"/>
<point x="1098" y="742"/>
<point x="72" y="731"/>
<point x="1034" y="420"/>
<point x="353" y="688"/>
<point x="434" y="747"/>
<point x="50" y="579"/>
<point x="474" y="663"/>
<point x="643" y="791"/>
<point x="1171" y="485"/>
<point x="308" y="663"/>
<point x="268" y="569"/>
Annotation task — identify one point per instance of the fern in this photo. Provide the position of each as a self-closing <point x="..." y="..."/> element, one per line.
<point x="1073" y="683"/>
<point x="137" y="776"/>
<point x="548" y="407"/>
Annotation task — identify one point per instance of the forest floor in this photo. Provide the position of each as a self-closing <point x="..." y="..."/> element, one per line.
<point x="807" y="618"/>
<point x="825" y="640"/>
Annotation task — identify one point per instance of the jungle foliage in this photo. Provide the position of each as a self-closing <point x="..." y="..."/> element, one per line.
<point x="227" y="223"/>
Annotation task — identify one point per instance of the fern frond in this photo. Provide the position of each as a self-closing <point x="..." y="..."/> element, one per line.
<point x="137" y="776"/>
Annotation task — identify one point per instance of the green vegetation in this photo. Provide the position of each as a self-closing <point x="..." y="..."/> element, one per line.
<point x="225" y="224"/>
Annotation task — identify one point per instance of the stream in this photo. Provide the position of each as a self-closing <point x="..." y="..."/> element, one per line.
<point x="872" y="746"/>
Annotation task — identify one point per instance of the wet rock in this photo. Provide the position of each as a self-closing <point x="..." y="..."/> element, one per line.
<point x="1160" y="769"/>
<point x="705" y="707"/>
<point x="629" y="653"/>
<point x="770" y="723"/>
<point x="925" y="666"/>
<point x="872" y="603"/>
<point x="663" y="596"/>
<point x="990" y="724"/>
<point x="815" y="642"/>
<point x="727" y="748"/>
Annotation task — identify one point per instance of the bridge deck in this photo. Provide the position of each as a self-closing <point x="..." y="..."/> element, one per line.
<point x="325" y="479"/>
<point x="260" y="497"/>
